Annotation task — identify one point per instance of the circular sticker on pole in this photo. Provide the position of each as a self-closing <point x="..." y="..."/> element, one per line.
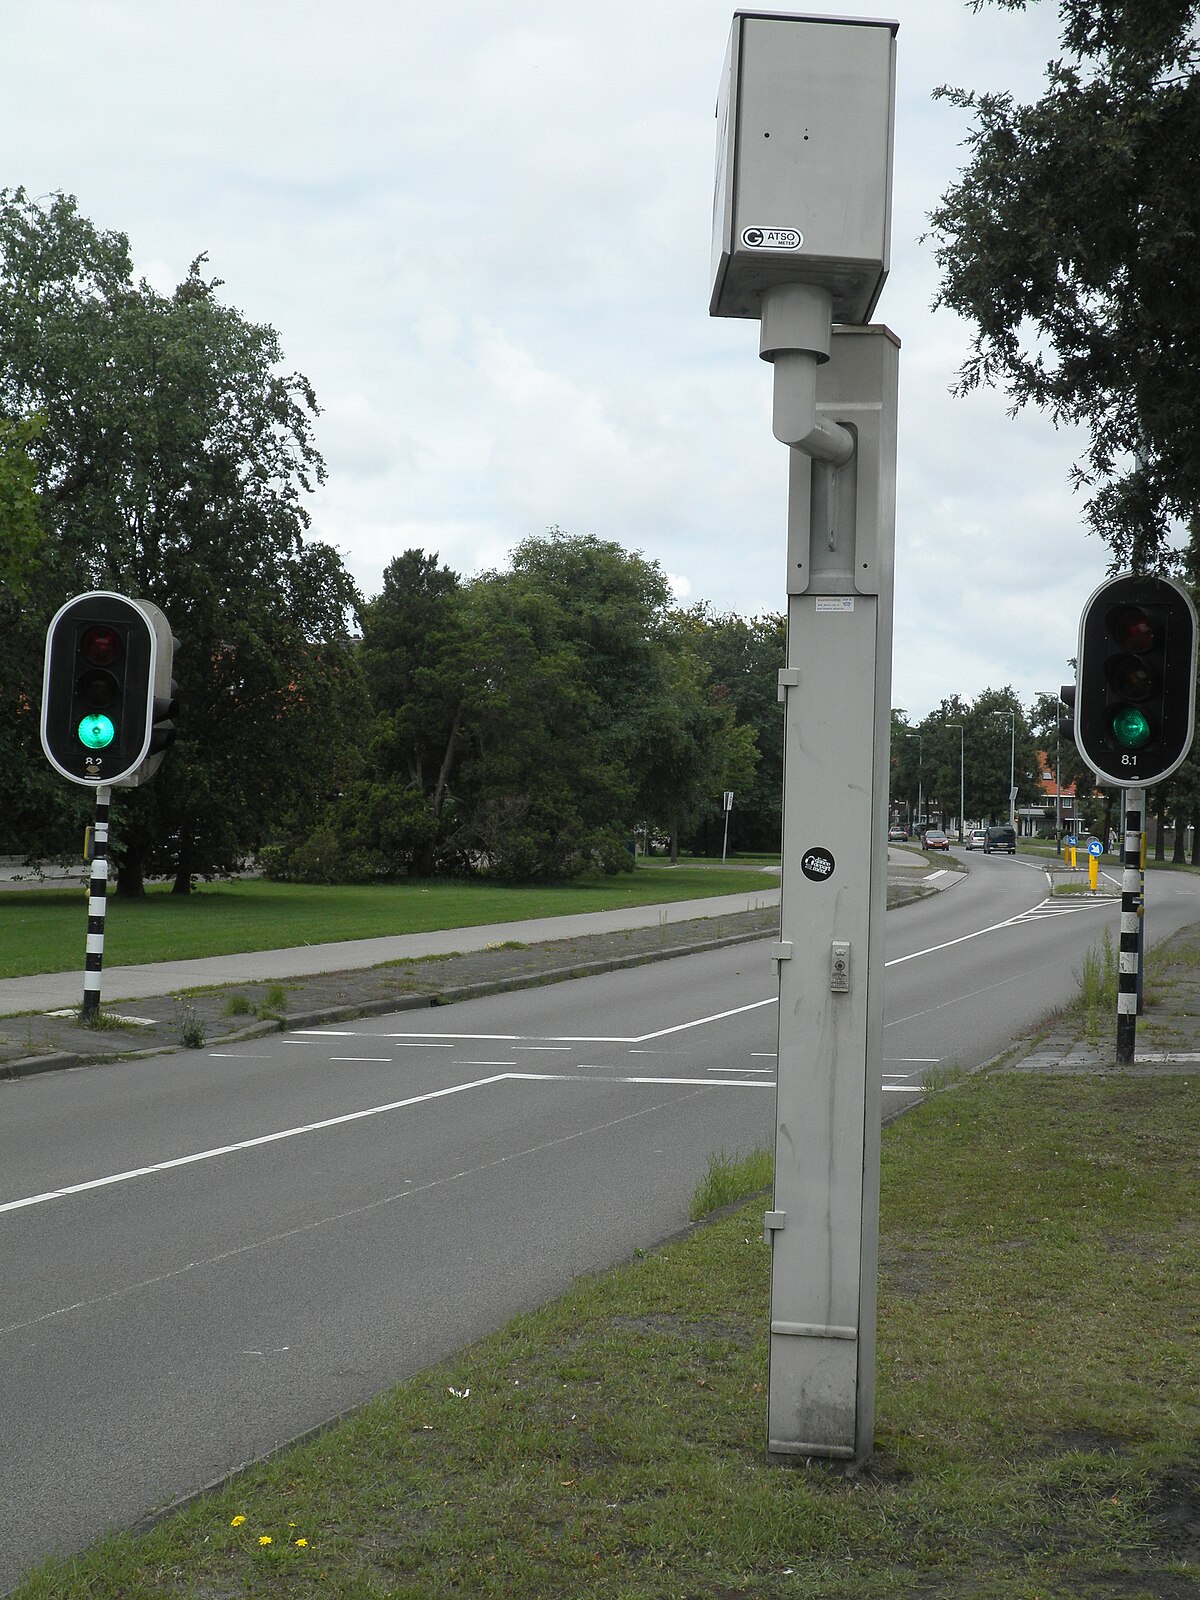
<point x="817" y="864"/>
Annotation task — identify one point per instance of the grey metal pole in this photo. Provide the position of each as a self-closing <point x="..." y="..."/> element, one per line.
<point x="97" y="902"/>
<point x="823" y="1223"/>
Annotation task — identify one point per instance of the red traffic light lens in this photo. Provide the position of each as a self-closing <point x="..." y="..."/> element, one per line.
<point x="1132" y="628"/>
<point x="100" y="646"/>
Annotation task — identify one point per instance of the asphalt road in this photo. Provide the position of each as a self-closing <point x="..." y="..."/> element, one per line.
<point x="200" y="1263"/>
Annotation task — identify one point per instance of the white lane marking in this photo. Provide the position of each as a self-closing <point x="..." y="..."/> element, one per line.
<point x="241" y="1144"/>
<point x="517" y="1040"/>
<point x="1009" y="922"/>
<point x="357" y="1116"/>
<point x="358" y="1033"/>
<point x="679" y="1027"/>
<point x="690" y="1083"/>
<point x="362" y="1058"/>
<point x="175" y="1162"/>
<point x="271" y="1240"/>
<point x="903" y="1088"/>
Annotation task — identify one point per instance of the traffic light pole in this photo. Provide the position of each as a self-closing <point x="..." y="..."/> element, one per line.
<point x="1129" y="960"/>
<point x="97" y="904"/>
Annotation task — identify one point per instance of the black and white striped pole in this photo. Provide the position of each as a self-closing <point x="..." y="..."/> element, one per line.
<point x="1129" y="959"/>
<point x="97" y="903"/>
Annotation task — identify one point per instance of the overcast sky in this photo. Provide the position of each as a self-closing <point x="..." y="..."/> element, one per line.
<point x="482" y="230"/>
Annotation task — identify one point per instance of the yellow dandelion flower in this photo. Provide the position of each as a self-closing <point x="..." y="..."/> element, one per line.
<point x="302" y="1542"/>
<point x="237" y="1522"/>
<point x="264" y="1538"/>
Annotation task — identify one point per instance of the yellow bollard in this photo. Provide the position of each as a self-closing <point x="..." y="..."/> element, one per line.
<point x="1093" y="871"/>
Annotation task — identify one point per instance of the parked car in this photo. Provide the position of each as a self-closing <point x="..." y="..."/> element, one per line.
<point x="1000" y="837"/>
<point x="976" y="839"/>
<point x="897" y="833"/>
<point x="935" y="839"/>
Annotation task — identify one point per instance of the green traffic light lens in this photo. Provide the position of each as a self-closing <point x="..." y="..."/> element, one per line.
<point x="96" y="732"/>
<point x="1131" y="728"/>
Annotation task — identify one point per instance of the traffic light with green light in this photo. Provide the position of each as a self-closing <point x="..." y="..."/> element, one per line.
<point x="1136" y="679"/>
<point x="107" y="695"/>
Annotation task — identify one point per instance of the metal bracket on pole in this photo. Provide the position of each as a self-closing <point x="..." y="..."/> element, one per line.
<point x="797" y="322"/>
<point x="789" y="678"/>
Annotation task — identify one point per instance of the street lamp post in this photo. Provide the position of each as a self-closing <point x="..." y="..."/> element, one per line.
<point x="920" y="776"/>
<point x="1012" y="766"/>
<point x="1057" y="764"/>
<point x="961" y="786"/>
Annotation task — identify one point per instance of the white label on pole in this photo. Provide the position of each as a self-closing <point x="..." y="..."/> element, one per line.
<point x="835" y="602"/>
<point x="772" y="238"/>
<point x="728" y="799"/>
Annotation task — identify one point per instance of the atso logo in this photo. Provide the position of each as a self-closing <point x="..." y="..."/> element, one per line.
<point x="772" y="238"/>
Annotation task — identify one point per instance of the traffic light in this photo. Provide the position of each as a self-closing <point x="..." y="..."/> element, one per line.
<point x="107" y="695"/>
<point x="1136" y="700"/>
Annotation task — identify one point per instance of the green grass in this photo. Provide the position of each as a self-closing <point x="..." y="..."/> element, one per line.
<point x="42" y="930"/>
<point x="1037" y="1418"/>
<point x="730" y="1178"/>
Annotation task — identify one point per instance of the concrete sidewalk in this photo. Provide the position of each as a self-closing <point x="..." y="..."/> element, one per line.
<point x="57" y="990"/>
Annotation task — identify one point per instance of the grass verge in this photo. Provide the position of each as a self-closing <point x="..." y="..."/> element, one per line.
<point x="730" y="1178"/>
<point x="1037" y="1423"/>
<point x="42" y="930"/>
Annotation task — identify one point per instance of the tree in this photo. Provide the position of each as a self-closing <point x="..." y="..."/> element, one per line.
<point x="172" y="462"/>
<point x="697" y="748"/>
<point x="927" y="755"/>
<point x="418" y="657"/>
<point x="743" y="657"/>
<point x="1069" y="242"/>
<point x="544" y="789"/>
<point x="39" y="816"/>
